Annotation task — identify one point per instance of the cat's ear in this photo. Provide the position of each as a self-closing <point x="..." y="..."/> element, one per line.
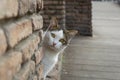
<point x="54" y="24"/>
<point x="70" y="33"/>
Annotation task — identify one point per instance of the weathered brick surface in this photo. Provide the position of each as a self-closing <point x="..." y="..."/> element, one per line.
<point x="41" y="35"/>
<point x="17" y="31"/>
<point x="23" y="7"/>
<point x="21" y="35"/>
<point x="10" y="64"/>
<point x="38" y="55"/>
<point x="14" y="8"/>
<point x="33" y="6"/>
<point x="26" y="70"/>
<point x="26" y="6"/>
<point x="39" y="71"/>
<point x="3" y="43"/>
<point x="37" y="22"/>
<point x="33" y="77"/>
<point x="28" y="46"/>
<point x="8" y="8"/>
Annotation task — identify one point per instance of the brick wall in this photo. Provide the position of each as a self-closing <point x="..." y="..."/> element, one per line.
<point x="78" y="16"/>
<point x="72" y="14"/>
<point x="54" y="8"/>
<point x="20" y="35"/>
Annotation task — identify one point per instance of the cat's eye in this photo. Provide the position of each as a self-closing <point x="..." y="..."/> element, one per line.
<point x="53" y="35"/>
<point x="62" y="41"/>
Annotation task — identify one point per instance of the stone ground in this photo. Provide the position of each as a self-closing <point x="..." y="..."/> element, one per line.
<point x="97" y="57"/>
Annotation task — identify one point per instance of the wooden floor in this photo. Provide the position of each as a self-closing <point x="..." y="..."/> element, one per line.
<point x="97" y="57"/>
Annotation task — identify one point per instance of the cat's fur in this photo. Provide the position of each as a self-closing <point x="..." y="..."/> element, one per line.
<point x="54" y="42"/>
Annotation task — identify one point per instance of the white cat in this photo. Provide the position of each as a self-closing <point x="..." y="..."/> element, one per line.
<point x="55" y="40"/>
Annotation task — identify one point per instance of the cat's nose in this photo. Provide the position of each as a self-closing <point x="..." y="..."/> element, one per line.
<point x="54" y="44"/>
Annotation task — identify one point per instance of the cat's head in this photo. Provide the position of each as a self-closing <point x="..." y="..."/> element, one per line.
<point x="56" y="39"/>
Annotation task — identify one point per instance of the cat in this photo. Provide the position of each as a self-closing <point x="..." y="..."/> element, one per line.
<point x="55" y="41"/>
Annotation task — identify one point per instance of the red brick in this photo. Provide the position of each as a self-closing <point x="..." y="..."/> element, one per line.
<point x="15" y="32"/>
<point x="37" y="22"/>
<point x="8" y="8"/>
<point x="28" y="46"/>
<point x="3" y="43"/>
<point x="25" y="71"/>
<point x="10" y="64"/>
